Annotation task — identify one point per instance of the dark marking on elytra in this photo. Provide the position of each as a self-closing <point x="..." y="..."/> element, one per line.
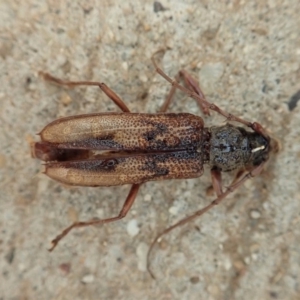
<point x="159" y="129"/>
<point x="151" y="166"/>
<point x="104" y="142"/>
<point x="92" y="165"/>
<point x="109" y="164"/>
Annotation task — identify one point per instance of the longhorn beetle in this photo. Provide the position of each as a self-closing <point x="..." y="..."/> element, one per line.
<point x="110" y="149"/>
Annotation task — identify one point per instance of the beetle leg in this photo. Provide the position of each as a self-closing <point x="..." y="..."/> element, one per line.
<point x="216" y="179"/>
<point x="126" y="207"/>
<point x="110" y="93"/>
<point x="169" y="98"/>
<point x="256" y="171"/>
<point x="191" y="84"/>
<point x="193" y="93"/>
<point x="239" y="174"/>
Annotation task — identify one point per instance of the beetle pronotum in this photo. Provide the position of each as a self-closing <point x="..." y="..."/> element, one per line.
<point x="110" y="149"/>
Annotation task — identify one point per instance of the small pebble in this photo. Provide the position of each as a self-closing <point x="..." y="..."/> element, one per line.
<point x="255" y="214"/>
<point x="147" y="198"/>
<point x="132" y="227"/>
<point x="173" y="210"/>
<point x="141" y="251"/>
<point x="88" y="278"/>
<point x="247" y="260"/>
<point x="143" y="78"/>
<point x="125" y="65"/>
<point x="194" y="279"/>
<point x="227" y="264"/>
<point x="254" y="256"/>
<point x="100" y="213"/>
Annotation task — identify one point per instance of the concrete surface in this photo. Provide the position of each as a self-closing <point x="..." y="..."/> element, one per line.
<point x="247" y="56"/>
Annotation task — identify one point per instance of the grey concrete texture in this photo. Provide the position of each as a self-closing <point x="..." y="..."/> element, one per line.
<point x="246" y="54"/>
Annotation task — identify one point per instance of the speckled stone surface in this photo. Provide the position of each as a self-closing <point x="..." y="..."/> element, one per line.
<point x="246" y="55"/>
